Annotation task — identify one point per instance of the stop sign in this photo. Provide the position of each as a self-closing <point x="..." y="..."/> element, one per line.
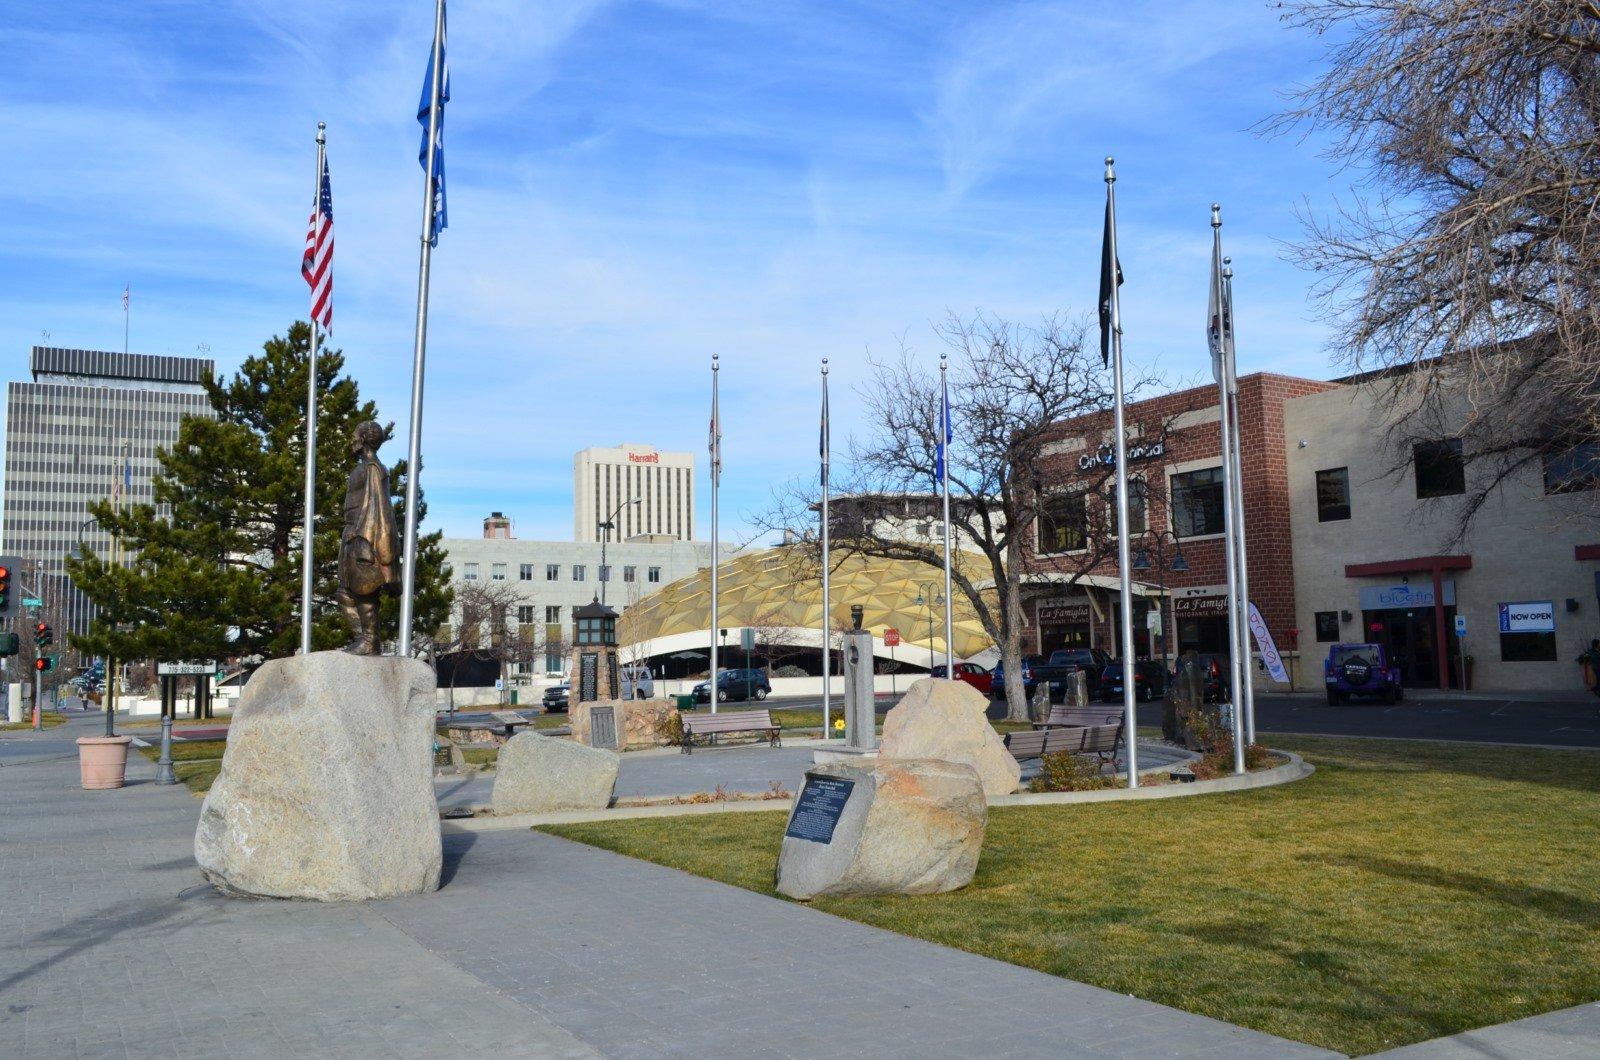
<point x="891" y="637"/>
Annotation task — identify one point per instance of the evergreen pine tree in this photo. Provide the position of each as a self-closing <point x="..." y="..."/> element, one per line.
<point x="215" y="569"/>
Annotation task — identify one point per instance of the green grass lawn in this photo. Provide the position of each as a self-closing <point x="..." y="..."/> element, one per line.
<point x="48" y="720"/>
<point x="1404" y="891"/>
<point x="187" y="750"/>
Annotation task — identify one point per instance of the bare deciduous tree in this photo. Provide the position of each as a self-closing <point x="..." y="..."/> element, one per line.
<point x="483" y="628"/>
<point x="1010" y="387"/>
<point x="1470" y="275"/>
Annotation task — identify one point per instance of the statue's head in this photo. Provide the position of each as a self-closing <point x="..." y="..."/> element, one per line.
<point x="368" y="436"/>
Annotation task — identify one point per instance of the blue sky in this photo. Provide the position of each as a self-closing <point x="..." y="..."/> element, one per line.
<point x="634" y="186"/>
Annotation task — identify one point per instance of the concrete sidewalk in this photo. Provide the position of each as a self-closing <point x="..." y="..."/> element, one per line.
<point x="534" y="947"/>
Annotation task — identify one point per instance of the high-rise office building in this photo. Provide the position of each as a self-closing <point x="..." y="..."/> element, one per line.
<point x="605" y="480"/>
<point x="66" y="435"/>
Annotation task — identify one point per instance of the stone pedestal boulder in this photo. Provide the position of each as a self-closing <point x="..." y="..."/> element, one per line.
<point x="946" y="720"/>
<point x="637" y="723"/>
<point x="326" y="788"/>
<point x="537" y="773"/>
<point x="911" y="826"/>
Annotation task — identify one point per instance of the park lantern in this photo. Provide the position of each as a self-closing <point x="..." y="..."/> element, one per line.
<point x="594" y="626"/>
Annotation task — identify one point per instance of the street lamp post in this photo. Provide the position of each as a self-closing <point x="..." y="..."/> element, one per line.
<point x="1141" y="561"/>
<point x="606" y="526"/>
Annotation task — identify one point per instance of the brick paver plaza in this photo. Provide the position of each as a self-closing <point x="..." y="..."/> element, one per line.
<point x="112" y="945"/>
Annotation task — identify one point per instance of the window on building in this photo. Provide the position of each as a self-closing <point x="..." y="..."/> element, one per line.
<point x="1439" y="468"/>
<point x="630" y="574"/>
<point x="1062" y="521"/>
<point x="497" y="572"/>
<point x="1138" y="505"/>
<point x="1527" y="647"/>
<point x="1333" y="494"/>
<point x="469" y="572"/>
<point x="1327" y="626"/>
<point x="552" y="573"/>
<point x="579" y="573"/>
<point x="653" y="574"/>
<point x="525" y="572"/>
<point x="1573" y="470"/>
<point x="525" y="614"/>
<point x="1197" y="507"/>
<point x="552" y="613"/>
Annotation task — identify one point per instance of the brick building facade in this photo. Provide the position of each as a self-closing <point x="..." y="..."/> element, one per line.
<point x="1175" y="460"/>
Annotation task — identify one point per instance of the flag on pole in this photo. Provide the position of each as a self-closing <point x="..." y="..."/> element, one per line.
<point x="125" y="288"/>
<point x="823" y="442"/>
<point x="316" y="264"/>
<point x="714" y="441"/>
<point x="946" y="436"/>
<point x="1110" y="280"/>
<point x="441" y="219"/>
<point x="1219" y="321"/>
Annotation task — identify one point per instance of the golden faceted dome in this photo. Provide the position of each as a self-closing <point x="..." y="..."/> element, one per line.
<point x="781" y="588"/>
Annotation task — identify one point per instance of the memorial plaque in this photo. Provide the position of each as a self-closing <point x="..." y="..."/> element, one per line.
<point x="816" y="814"/>
<point x="603" y="727"/>
<point x="611" y="672"/>
<point x="588" y="677"/>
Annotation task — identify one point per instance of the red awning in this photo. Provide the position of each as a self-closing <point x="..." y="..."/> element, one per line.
<point x="1407" y="566"/>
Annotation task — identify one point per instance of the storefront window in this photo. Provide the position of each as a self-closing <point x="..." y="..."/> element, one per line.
<point x="1327" y="626"/>
<point x="1197" y="502"/>
<point x="1527" y="647"/>
<point x="1062" y="523"/>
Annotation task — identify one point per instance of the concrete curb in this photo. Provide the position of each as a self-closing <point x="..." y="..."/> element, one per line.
<point x="1295" y="769"/>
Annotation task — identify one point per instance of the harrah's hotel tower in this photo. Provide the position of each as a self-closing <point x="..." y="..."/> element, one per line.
<point x="604" y="480"/>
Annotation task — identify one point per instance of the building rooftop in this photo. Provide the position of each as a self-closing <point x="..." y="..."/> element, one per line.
<point x="105" y="364"/>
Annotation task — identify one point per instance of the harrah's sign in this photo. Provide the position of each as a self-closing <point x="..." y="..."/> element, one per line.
<point x="644" y="458"/>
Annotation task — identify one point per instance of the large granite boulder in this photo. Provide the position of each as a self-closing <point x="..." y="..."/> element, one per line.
<point x="947" y="720"/>
<point x="535" y="774"/>
<point x="326" y="789"/>
<point x="637" y="723"/>
<point x="910" y="826"/>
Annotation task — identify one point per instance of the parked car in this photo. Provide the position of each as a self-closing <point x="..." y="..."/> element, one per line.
<point x="738" y="683"/>
<point x="997" y="676"/>
<point x="1149" y="680"/>
<point x="555" y="698"/>
<point x="1361" y="670"/>
<point x="1064" y="663"/>
<point x="637" y="682"/>
<point x="971" y="673"/>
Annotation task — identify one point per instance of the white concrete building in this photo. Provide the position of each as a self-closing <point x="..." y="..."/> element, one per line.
<point x="1375" y="559"/>
<point x="545" y="580"/>
<point x="605" y="480"/>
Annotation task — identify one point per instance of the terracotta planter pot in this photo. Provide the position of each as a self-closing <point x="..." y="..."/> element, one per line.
<point x="103" y="761"/>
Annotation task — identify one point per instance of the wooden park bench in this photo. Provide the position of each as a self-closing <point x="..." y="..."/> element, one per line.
<point x="1080" y="717"/>
<point x="1098" y="740"/>
<point x="710" y="726"/>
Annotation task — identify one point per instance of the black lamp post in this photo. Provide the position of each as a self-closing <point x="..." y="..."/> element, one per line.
<point x="1141" y="562"/>
<point x="927" y="598"/>
<point x="607" y="525"/>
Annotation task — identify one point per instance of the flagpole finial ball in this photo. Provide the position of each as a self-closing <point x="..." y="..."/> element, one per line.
<point x="1110" y="161"/>
<point x="1227" y="261"/>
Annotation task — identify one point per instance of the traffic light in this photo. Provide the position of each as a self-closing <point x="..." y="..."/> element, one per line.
<point x="10" y="644"/>
<point x="45" y="663"/>
<point x="42" y="636"/>
<point x="6" y="608"/>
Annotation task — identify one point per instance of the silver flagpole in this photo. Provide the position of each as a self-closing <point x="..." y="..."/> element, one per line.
<point x="408" y="577"/>
<point x="716" y="481"/>
<point x="949" y="598"/>
<point x="1230" y="367"/>
<point x="1119" y="426"/>
<point x="1217" y="326"/>
<point x="308" y="542"/>
<point x="827" y="599"/>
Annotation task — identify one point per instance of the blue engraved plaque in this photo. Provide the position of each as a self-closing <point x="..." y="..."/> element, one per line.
<point x="817" y="811"/>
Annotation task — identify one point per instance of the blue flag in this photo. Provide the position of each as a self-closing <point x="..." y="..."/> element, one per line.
<point x="945" y="434"/>
<point x="441" y="216"/>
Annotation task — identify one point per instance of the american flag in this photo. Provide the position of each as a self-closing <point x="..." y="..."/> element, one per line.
<point x="317" y="264"/>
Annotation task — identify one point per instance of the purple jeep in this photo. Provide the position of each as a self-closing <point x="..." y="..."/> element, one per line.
<point x="1361" y="670"/>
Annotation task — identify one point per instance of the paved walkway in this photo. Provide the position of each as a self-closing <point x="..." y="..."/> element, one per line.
<point x="1570" y="1034"/>
<point x="111" y="945"/>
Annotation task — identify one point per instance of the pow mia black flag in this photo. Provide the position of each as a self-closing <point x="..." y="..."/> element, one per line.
<point x="1108" y="290"/>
